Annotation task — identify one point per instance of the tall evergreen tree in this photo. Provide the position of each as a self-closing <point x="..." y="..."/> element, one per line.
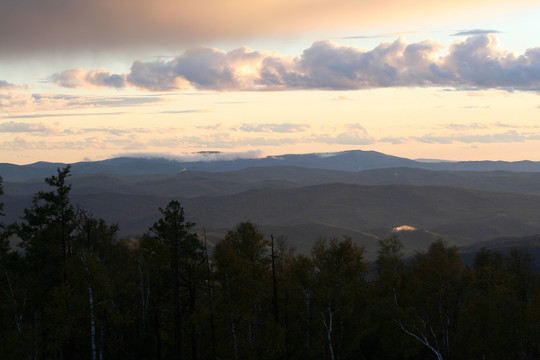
<point x="186" y="256"/>
<point x="48" y="226"/>
<point x="46" y="235"/>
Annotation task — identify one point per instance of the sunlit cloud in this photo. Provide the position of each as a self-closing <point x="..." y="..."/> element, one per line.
<point x="57" y="115"/>
<point x="187" y="111"/>
<point x="404" y="228"/>
<point x="80" y="78"/>
<point x="510" y="136"/>
<point x="484" y="126"/>
<point x="20" y="127"/>
<point x="342" y="98"/>
<point x="199" y="68"/>
<point x="212" y="127"/>
<point x="223" y="140"/>
<point x="23" y="102"/>
<point x="32" y="26"/>
<point x="206" y="156"/>
<point x="277" y="128"/>
<point x="107" y="130"/>
<point x="383" y="35"/>
<point x="475" y="63"/>
<point x="465" y="127"/>
<point x="394" y="140"/>
<point x="475" y="32"/>
<point x="19" y="143"/>
<point x="355" y="135"/>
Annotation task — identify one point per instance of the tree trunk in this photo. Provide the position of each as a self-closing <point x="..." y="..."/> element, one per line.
<point x="91" y="303"/>
<point x="233" y="325"/>
<point x="329" y="327"/>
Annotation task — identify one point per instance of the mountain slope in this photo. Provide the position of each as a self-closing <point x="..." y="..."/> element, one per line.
<point x="354" y="160"/>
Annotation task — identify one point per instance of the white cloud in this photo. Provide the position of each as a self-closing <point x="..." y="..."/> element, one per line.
<point x="511" y="136"/>
<point x="475" y="32"/>
<point x="23" y="102"/>
<point x="21" y="127"/>
<point x="276" y="128"/>
<point x="355" y="134"/>
<point x="207" y="156"/>
<point x="76" y="78"/>
<point x="477" y="62"/>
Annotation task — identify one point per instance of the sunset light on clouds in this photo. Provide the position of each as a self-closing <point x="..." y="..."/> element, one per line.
<point x="456" y="80"/>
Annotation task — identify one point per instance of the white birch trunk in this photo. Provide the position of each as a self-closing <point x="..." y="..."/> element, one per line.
<point x="91" y="303"/>
<point x="329" y="327"/>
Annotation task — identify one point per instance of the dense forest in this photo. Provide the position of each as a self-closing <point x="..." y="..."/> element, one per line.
<point x="71" y="288"/>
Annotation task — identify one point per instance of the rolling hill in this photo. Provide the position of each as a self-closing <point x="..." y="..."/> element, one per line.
<point x="303" y="203"/>
<point x="354" y="160"/>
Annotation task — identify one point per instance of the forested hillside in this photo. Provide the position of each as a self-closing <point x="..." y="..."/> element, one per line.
<point x="72" y="288"/>
<point x="302" y="203"/>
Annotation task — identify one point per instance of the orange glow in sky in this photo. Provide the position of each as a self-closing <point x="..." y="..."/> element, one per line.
<point x="456" y="80"/>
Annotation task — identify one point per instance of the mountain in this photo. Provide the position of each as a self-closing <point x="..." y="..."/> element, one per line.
<point x="354" y="160"/>
<point x="505" y="245"/>
<point x="301" y="214"/>
<point x="327" y="196"/>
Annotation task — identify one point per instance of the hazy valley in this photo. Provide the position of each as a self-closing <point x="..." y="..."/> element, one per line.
<point x="302" y="197"/>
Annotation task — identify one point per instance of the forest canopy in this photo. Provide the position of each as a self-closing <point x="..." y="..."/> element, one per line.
<point x="70" y="287"/>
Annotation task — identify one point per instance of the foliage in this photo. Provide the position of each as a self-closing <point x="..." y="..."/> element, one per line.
<point x="75" y="290"/>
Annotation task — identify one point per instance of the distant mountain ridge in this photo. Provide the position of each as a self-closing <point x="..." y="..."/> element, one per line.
<point x="353" y="160"/>
<point x="303" y="203"/>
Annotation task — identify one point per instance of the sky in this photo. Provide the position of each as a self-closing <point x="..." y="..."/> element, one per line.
<point x="89" y="80"/>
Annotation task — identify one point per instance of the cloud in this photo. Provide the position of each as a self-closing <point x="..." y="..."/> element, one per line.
<point x="206" y="156"/>
<point x="383" y="35"/>
<point x="34" y="116"/>
<point x="5" y="86"/>
<point x="77" y="78"/>
<point x="20" y="127"/>
<point x="355" y="135"/>
<point x="475" y="32"/>
<point x="199" y="68"/>
<point x="342" y="98"/>
<point x="394" y="140"/>
<point x="466" y="127"/>
<point x="475" y="63"/>
<point x="189" y="111"/>
<point x="277" y="128"/>
<point x="109" y="131"/>
<point x="483" y="126"/>
<point x="23" y="102"/>
<point x="212" y="127"/>
<point x="61" y="26"/>
<point x="510" y="136"/>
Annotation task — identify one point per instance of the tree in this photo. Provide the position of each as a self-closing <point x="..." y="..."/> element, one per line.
<point x="48" y="225"/>
<point x="340" y="270"/>
<point x="244" y="272"/>
<point x="499" y="307"/>
<point x="186" y="256"/>
<point x="299" y="283"/>
<point x="430" y="302"/>
<point x="4" y="244"/>
<point x="383" y="338"/>
<point x="46" y="235"/>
